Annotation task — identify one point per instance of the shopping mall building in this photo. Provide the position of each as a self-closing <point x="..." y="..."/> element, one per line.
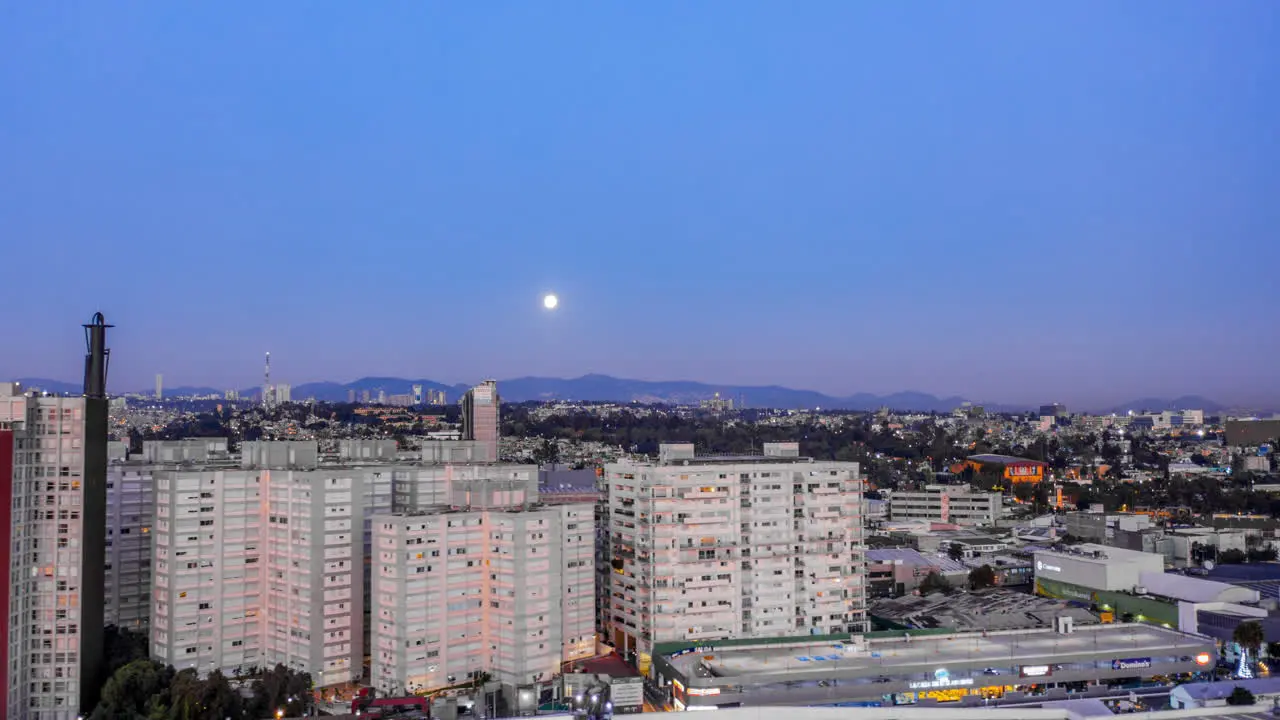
<point x="953" y="668"/>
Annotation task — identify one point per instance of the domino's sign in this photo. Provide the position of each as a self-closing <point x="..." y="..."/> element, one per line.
<point x="1131" y="664"/>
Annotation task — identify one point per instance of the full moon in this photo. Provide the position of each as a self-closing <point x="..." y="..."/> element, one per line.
<point x="550" y="301"/>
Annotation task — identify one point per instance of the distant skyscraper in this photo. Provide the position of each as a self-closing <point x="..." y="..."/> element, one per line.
<point x="266" y="383"/>
<point x="283" y="393"/>
<point x="1054" y="410"/>
<point x="351" y="395"/>
<point x="382" y="397"/>
<point x="717" y="404"/>
<point x="480" y="406"/>
<point x="159" y="386"/>
<point x="364" y="396"/>
<point x="417" y="394"/>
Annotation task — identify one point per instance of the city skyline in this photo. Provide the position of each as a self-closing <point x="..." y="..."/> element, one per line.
<point x="587" y="388"/>
<point x="1070" y="201"/>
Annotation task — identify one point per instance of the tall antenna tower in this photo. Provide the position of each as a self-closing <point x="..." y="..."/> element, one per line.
<point x="266" y="383"/>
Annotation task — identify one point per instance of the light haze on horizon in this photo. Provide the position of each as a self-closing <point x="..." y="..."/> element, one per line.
<point x="1069" y="201"/>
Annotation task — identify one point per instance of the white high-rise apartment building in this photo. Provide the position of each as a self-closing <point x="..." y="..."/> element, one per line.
<point x="504" y="590"/>
<point x="207" y="574"/>
<point x="713" y="548"/>
<point x="53" y="474"/>
<point x="131" y="508"/>
<point x="131" y="502"/>
<point x="264" y="565"/>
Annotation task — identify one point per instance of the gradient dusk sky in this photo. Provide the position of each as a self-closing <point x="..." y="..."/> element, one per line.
<point x="1011" y="201"/>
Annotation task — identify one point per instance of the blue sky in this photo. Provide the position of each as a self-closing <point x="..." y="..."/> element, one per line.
<point x="1012" y="201"/>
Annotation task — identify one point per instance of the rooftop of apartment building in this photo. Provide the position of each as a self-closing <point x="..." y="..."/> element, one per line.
<point x="199" y="452"/>
<point x="935" y="488"/>
<point x="433" y="510"/>
<point x="685" y="454"/>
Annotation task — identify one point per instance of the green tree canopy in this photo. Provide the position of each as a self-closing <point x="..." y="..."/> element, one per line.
<point x="281" y="689"/>
<point x="983" y="577"/>
<point x="135" y="692"/>
<point x="934" y="582"/>
<point x="1249" y="635"/>
<point x="1240" y="696"/>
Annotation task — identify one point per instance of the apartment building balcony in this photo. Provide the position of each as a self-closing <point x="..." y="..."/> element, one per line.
<point x="771" y="545"/>
<point x="826" y="596"/>
<point x="714" y="582"/>
<point x="823" y="519"/>
<point x="711" y="615"/>
<point x="705" y="634"/>
<point x="703" y="494"/>
<point x="773" y="596"/>
<point x="707" y="543"/>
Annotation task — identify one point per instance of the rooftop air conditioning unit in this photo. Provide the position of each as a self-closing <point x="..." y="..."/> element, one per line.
<point x="1139" y="590"/>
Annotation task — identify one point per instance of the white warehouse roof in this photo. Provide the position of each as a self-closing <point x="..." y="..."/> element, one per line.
<point x="1196" y="590"/>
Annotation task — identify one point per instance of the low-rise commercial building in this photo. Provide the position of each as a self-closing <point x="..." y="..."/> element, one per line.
<point x="1185" y="546"/>
<point x="1123" y="584"/>
<point x="945" y="503"/>
<point x="894" y="572"/>
<point x="1248" y="433"/>
<point x="1215" y="694"/>
<point x="1096" y="567"/>
<point x="961" y="668"/>
<point x="1016" y="469"/>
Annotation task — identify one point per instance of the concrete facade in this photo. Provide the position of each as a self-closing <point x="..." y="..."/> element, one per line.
<point x="504" y="592"/>
<point x="1098" y="567"/>
<point x="458" y="451"/>
<point x="57" y="486"/>
<point x="945" y="503"/>
<point x="423" y="486"/>
<point x="481" y="406"/>
<point x="260" y="566"/>
<point x="190" y="450"/>
<point x="130" y="512"/>
<point x="366" y="449"/>
<point x="717" y="548"/>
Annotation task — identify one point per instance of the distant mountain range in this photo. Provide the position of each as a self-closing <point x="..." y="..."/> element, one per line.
<point x="607" y="388"/>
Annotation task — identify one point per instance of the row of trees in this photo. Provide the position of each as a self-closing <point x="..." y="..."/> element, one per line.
<point x="142" y="689"/>
<point x="855" y="438"/>
<point x="979" y="578"/>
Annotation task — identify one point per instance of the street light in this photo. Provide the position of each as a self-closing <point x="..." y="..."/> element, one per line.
<point x="279" y="713"/>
